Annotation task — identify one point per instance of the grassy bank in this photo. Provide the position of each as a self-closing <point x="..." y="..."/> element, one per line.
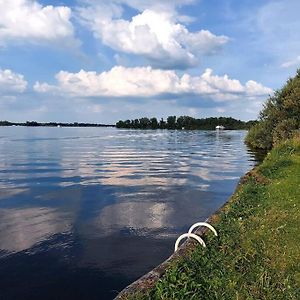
<point x="257" y="254"/>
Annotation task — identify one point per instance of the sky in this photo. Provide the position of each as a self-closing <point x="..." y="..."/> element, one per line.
<point x="102" y="61"/>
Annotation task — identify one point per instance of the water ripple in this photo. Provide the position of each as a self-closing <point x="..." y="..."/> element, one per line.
<point x="86" y="199"/>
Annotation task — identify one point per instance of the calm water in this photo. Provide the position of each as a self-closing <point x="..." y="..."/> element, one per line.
<point x="85" y="211"/>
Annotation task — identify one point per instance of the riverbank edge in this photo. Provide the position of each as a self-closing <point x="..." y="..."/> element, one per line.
<point x="279" y="174"/>
<point x="148" y="281"/>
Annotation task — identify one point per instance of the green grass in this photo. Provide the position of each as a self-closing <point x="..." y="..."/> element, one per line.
<point x="257" y="253"/>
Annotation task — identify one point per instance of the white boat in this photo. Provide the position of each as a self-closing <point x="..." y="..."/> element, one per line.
<point x="220" y="127"/>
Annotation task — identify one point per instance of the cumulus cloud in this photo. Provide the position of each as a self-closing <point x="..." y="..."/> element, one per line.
<point x="44" y="87"/>
<point x="11" y="82"/>
<point x="156" y="35"/>
<point x="148" y="82"/>
<point x="254" y="88"/>
<point x="27" y="20"/>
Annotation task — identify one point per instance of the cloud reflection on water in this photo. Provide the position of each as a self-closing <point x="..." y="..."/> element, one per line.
<point x="121" y="196"/>
<point x="21" y="229"/>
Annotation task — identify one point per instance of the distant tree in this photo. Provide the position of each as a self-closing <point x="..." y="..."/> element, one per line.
<point x="153" y="123"/>
<point x="180" y="123"/>
<point x="162" y="124"/>
<point x="144" y="123"/>
<point x="184" y="122"/>
<point x="127" y="124"/>
<point x="120" y="124"/>
<point x="5" y="123"/>
<point x="171" y="122"/>
<point x="251" y="123"/>
<point x="32" y="123"/>
<point x="136" y="123"/>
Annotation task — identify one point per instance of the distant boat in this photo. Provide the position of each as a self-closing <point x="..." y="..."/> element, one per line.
<point x="58" y="126"/>
<point x="220" y="127"/>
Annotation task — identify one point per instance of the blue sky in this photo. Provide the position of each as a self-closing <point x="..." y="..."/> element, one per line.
<point x="101" y="61"/>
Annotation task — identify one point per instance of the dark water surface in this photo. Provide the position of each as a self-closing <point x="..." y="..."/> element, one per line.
<point x="85" y="211"/>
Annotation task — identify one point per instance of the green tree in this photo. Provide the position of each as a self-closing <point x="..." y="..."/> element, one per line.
<point x="136" y="123"/>
<point x="153" y="123"/>
<point x="171" y="122"/>
<point x="144" y="123"/>
<point x="279" y="118"/>
<point x="162" y="124"/>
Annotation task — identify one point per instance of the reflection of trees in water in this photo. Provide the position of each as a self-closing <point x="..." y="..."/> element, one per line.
<point x="258" y="155"/>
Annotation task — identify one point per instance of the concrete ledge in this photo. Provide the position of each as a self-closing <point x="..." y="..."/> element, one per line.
<point x="149" y="280"/>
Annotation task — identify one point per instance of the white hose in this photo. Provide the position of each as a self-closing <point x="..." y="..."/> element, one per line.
<point x="188" y="235"/>
<point x="203" y="224"/>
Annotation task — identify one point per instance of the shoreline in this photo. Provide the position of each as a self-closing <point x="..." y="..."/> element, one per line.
<point x="148" y="280"/>
<point x="247" y="230"/>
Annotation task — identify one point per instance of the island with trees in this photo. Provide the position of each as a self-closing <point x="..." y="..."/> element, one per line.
<point x="52" y="124"/>
<point x="185" y="122"/>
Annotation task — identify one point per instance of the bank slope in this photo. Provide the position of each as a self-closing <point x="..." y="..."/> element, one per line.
<point x="257" y="254"/>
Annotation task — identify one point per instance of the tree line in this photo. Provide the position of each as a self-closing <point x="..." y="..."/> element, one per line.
<point x="52" y="124"/>
<point x="185" y="122"/>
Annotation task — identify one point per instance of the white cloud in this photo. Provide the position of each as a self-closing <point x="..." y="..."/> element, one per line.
<point x="43" y="87"/>
<point x="155" y="35"/>
<point x="118" y="82"/>
<point x="254" y="88"/>
<point x="11" y="82"/>
<point x="292" y="63"/>
<point x="203" y="41"/>
<point x="27" y="20"/>
<point x="218" y="83"/>
<point x="148" y="82"/>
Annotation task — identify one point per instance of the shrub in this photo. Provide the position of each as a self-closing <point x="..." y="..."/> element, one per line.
<point x="259" y="136"/>
<point x="284" y="130"/>
<point x="279" y="118"/>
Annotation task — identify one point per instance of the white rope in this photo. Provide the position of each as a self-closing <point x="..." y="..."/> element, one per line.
<point x="188" y="235"/>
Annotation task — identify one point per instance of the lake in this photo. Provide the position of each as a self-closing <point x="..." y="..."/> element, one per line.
<point x="86" y="211"/>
